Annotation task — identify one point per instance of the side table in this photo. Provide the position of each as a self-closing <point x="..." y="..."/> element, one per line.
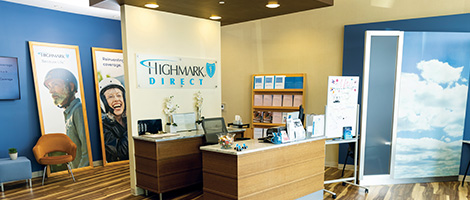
<point x="14" y="170"/>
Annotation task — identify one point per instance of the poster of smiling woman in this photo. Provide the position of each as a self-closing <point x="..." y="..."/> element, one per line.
<point x="432" y="104"/>
<point x="110" y="94"/>
<point x="60" y="97"/>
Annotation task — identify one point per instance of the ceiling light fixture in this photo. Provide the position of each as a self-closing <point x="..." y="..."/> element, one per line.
<point x="152" y="5"/>
<point x="272" y="4"/>
<point x="221" y="2"/>
<point x="215" y="17"/>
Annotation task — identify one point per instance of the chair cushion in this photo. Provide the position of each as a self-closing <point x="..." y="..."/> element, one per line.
<point x="55" y="160"/>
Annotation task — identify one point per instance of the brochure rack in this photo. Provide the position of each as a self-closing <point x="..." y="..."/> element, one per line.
<point x="294" y="86"/>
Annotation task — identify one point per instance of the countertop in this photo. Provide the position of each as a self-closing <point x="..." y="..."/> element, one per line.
<point x="180" y="135"/>
<point x="253" y="146"/>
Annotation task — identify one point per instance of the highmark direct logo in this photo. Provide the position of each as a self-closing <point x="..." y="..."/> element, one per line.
<point x="53" y="55"/>
<point x="210" y="68"/>
<point x="171" y="72"/>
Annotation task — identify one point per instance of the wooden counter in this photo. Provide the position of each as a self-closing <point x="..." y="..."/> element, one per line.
<point x="264" y="171"/>
<point x="168" y="163"/>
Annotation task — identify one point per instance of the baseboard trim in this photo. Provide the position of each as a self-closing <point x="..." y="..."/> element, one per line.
<point x="97" y="163"/>
<point x="39" y="173"/>
<point x="467" y="179"/>
<point x="331" y="164"/>
<point x="137" y="191"/>
<point x="348" y="167"/>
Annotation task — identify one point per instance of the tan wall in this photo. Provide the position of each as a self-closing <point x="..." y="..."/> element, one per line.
<point x="307" y="42"/>
<point x="149" y="32"/>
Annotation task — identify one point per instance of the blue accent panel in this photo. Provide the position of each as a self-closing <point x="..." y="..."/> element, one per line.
<point x="294" y="82"/>
<point x="353" y="54"/>
<point x="19" y="121"/>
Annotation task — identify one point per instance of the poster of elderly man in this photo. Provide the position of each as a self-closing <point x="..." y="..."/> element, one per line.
<point x="60" y="98"/>
<point x="111" y="101"/>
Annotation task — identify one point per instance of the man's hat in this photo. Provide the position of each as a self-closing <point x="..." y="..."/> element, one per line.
<point x="61" y="73"/>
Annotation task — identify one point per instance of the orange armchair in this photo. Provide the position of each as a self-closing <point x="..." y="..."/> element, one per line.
<point x="55" y="142"/>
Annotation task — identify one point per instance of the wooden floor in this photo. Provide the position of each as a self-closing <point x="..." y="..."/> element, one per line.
<point x="112" y="182"/>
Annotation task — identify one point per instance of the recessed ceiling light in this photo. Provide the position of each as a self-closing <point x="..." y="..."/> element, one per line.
<point x="272" y="4"/>
<point x="215" y="17"/>
<point x="221" y="2"/>
<point x="151" y="5"/>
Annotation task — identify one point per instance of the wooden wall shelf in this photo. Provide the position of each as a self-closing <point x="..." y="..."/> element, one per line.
<point x="300" y="89"/>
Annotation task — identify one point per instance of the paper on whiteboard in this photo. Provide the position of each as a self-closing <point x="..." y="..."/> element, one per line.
<point x="339" y="116"/>
<point x="343" y="90"/>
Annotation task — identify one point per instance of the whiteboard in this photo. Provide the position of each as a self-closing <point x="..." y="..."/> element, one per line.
<point x="339" y="116"/>
<point x="343" y="90"/>
<point x="185" y="121"/>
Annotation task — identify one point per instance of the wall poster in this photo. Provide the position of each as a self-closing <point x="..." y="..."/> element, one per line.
<point x="432" y="104"/>
<point x="60" y="98"/>
<point x="111" y="101"/>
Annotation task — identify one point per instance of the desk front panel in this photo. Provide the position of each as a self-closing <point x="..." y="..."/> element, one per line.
<point x="168" y="165"/>
<point x="287" y="172"/>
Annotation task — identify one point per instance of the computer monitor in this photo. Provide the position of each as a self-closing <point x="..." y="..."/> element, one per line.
<point x="301" y="113"/>
<point x="149" y="125"/>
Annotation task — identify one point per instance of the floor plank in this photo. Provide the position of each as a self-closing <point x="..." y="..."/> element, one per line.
<point x="113" y="182"/>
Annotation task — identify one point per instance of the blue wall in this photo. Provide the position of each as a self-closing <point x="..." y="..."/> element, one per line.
<point x="19" y="121"/>
<point x="353" y="55"/>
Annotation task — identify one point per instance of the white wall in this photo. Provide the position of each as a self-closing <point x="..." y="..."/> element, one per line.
<point x="150" y="32"/>
<point x="308" y="42"/>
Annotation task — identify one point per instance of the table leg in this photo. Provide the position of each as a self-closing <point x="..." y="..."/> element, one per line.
<point x="466" y="171"/>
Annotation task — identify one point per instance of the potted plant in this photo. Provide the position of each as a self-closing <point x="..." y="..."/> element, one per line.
<point x="199" y="101"/>
<point x="13" y="153"/>
<point x="169" y="109"/>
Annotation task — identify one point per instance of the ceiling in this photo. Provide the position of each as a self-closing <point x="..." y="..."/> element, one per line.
<point x="232" y="11"/>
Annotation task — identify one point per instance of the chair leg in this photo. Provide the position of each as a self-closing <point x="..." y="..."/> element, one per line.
<point x="70" y="170"/>
<point x="44" y="174"/>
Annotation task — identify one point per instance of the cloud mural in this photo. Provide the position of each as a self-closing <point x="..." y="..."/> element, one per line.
<point x="431" y="109"/>
<point x="427" y="101"/>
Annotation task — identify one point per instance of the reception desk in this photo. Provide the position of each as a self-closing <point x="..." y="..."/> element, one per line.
<point x="168" y="163"/>
<point x="264" y="171"/>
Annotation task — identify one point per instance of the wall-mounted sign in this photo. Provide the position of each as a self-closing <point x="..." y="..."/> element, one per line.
<point x="9" y="81"/>
<point x="176" y="72"/>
